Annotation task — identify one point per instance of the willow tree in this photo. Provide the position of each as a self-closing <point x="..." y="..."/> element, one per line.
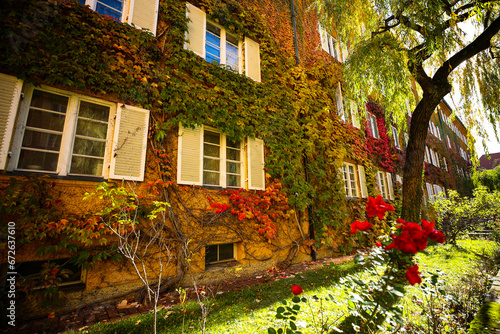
<point x="394" y="42"/>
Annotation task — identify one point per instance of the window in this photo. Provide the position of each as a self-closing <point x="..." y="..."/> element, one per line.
<point x="430" y="193"/>
<point x="219" y="253"/>
<point x="330" y="44"/>
<point x="140" y="13"/>
<point x="222" y="48"/>
<point x="63" y="133"/>
<point x="372" y="124"/>
<point x="31" y="271"/>
<point x="113" y="8"/>
<point x="209" y="157"/>
<point x="350" y="180"/>
<point x="427" y="155"/>
<point x="221" y="160"/>
<point x="381" y="181"/>
<point x="395" y="137"/>
<point x="384" y="183"/>
<point x="216" y="45"/>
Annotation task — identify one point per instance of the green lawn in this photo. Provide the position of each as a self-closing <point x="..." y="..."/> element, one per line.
<point x="252" y="310"/>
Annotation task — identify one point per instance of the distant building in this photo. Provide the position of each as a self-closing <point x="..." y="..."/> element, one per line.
<point x="492" y="162"/>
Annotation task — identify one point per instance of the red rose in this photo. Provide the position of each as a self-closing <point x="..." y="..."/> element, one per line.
<point x="377" y="207"/>
<point x="432" y="233"/>
<point x="297" y="289"/>
<point x="437" y="236"/>
<point x="360" y="226"/>
<point x="54" y="271"/>
<point x="412" y="275"/>
<point x="404" y="243"/>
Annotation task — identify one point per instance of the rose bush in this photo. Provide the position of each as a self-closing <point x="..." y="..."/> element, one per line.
<point x="390" y="264"/>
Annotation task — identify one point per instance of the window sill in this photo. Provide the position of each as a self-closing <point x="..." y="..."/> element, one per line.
<point x="56" y="177"/>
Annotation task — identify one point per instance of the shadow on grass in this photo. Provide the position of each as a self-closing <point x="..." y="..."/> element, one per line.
<point x="228" y="306"/>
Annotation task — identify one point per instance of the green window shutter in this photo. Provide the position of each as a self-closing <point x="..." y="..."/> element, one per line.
<point x="256" y="173"/>
<point x="252" y="59"/>
<point x="128" y="156"/>
<point x="144" y="14"/>
<point x="362" y="181"/>
<point x="10" y="92"/>
<point x="323" y="37"/>
<point x="390" y="188"/>
<point x="195" y="35"/>
<point x="190" y="156"/>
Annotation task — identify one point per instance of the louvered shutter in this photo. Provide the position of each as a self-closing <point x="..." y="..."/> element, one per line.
<point x="340" y="102"/>
<point x="144" y="14"/>
<point x="195" y="35"/>
<point x="256" y="173"/>
<point x="362" y="181"/>
<point x="390" y="188"/>
<point x="323" y="37"/>
<point x="10" y="92"/>
<point x="252" y="59"/>
<point x="128" y="156"/>
<point x="190" y="156"/>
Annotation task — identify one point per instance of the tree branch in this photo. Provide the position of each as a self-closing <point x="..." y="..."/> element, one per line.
<point x="481" y="43"/>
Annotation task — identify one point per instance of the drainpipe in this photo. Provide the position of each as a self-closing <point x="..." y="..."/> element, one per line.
<point x="304" y="157"/>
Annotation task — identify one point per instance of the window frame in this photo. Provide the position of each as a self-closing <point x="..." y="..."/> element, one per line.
<point x="348" y="181"/>
<point x="68" y="133"/>
<point x="223" y="160"/>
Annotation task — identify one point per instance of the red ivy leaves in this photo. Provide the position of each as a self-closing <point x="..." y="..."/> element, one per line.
<point x="263" y="206"/>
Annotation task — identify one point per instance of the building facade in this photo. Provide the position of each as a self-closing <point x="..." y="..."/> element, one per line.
<point x="214" y="120"/>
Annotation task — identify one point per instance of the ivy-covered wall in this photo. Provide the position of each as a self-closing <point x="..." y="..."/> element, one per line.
<point x="293" y="110"/>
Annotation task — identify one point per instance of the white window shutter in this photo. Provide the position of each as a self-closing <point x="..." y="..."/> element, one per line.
<point x="390" y="188"/>
<point x="256" y="173"/>
<point x="10" y="92"/>
<point x="128" y="156"/>
<point x="195" y="35"/>
<point x="323" y="37"/>
<point x="252" y="59"/>
<point x="144" y="14"/>
<point x="340" y="102"/>
<point x="362" y="181"/>
<point x="190" y="156"/>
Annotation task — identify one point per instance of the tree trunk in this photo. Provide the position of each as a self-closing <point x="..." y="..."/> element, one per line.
<point x="414" y="162"/>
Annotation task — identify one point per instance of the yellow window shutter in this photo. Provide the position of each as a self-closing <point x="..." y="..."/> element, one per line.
<point x="144" y="14"/>
<point x="252" y="59"/>
<point x="195" y="35"/>
<point x="190" y="156"/>
<point x="362" y="181"/>
<point x="323" y="37"/>
<point x="10" y="92"/>
<point x="128" y="155"/>
<point x="390" y="188"/>
<point x="256" y="173"/>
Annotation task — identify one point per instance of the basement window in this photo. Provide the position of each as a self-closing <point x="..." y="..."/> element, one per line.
<point x="219" y="253"/>
<point x="31" y="270"/>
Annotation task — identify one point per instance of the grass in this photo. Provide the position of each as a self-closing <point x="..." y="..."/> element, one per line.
<point x="253" y="309"/>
